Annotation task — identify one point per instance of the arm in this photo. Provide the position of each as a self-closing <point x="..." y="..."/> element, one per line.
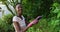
<point x="26" y="29"/>
<point x="32" y="23"/>
<point x="16" y="26"/>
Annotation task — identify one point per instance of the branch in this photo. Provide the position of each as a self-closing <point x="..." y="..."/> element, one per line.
<point x="8" y="8"/>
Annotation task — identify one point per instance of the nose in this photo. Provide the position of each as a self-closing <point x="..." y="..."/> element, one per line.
<point x="20" y="8"/>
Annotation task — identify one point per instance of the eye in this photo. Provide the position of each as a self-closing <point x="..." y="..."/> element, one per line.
<point x="19" y="7"/>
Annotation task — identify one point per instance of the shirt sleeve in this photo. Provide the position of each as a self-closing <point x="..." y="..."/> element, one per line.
<point x="15" y="19"/>
<point x="23" y="18"/>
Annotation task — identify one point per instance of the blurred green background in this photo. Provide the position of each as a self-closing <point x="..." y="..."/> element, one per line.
<point x="49" y="9"/>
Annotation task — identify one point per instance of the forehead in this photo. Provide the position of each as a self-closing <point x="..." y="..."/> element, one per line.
<point x="18" y="5"/>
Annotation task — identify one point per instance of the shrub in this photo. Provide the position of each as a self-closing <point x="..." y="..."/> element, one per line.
<point x="6" y="23"/>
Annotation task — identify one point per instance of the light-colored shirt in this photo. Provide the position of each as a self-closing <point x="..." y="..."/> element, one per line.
<point x="20" y="21"/>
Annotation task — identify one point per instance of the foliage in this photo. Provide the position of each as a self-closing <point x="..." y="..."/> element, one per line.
<point x="6" y="23"/>
<point x="34" y="8"/>
<point x="55" y="16"/>
<point x="49" y="9"/>
<point x="7" y="18"/>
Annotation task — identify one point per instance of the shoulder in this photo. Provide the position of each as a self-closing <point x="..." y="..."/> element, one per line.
<point x="15" y="18"/>
<point x="23" y="17"/>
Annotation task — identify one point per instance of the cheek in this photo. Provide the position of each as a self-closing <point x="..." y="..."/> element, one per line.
<point x="16" y="9"/>
<point x="19" y="11"/>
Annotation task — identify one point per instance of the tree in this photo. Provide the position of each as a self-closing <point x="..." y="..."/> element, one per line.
<point x="9" y="4"/>
<point x="30" y="7"/>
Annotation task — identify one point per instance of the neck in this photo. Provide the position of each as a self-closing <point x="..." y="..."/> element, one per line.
<point x="19" y="15"/>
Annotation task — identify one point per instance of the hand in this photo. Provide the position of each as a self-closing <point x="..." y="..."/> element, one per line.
<point x="39" y="17"/>
<point x="35" y="21"/>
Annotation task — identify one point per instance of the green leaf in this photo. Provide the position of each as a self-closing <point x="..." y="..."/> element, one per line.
<point x="58" y="15"/>
<point x="56" y="10"/>
<point x="56" y="4"/>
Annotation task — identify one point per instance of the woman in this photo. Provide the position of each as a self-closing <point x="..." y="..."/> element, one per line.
<point x="19" y="22"/>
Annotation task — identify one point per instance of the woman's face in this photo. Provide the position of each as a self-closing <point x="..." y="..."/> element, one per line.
<point x="19" y="9"/>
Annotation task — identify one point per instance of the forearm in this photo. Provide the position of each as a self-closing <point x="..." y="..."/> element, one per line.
<point x="25" y="29"/>
<point x="32" y="23"/>
<point x="28" y="26"/>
